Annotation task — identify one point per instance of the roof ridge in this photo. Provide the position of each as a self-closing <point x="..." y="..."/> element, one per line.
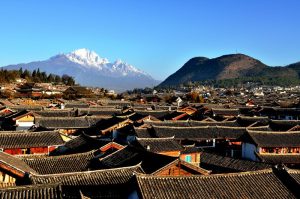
<point x="272" y="120"/>
<point x="54" y="110"/>
<point x="259" y="117"/>
<point x="160" y="138"/>
<point x="100" y="159"/>
<point x="137" y="111"/>
<point x="257" y="172"/>
<point x="169" y="121"/>
<point x="272" y="132"/>
<point x="200" y="127"/>
<point x="257" y="127"/>
<point x="293" y="170"/>
<point x="29" y="133"/>
<point x="60" y="156"/>
<point x="181" y="127"/>
<point x="279" y="154"/>
<point x="235" y="109"/>
<point x="30" y="186"/>
<point x="229" y="127"/>
<point x="86" y="172"/>
<point x="62" y="117"/>
<point x="221" y="122"/>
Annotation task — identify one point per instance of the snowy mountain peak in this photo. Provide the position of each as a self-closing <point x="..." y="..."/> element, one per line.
<point x="126" y="68"/>
<point x="119" y="61"/>
<point x="90" y="69"/>
<point x="84" y="53"/>
<point x="87" y="57"/>
<point x="90" y="59"/>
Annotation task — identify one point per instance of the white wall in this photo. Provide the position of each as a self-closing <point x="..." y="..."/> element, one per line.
<point x="248" y="151"/>
<point x="25" y="124"/>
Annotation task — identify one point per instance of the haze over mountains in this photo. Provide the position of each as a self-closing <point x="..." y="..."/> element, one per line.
<point x="228" y="67"/>
<point x="89" y="69"/>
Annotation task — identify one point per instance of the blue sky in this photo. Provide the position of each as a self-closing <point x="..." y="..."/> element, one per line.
<point x="157" y="36"/>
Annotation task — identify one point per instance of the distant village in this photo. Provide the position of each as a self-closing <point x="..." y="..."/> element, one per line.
<point x="68" y="141"/>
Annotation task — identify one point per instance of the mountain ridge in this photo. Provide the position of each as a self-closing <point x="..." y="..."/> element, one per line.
<point x="89" y="69"/>
<point x="231" y="66"/>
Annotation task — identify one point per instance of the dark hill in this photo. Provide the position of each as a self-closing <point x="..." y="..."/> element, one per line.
<point x="295" y="67"/>
<point x="232" y="66"/>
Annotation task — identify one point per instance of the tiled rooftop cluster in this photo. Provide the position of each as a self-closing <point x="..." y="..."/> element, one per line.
<point x="89" y="148"/>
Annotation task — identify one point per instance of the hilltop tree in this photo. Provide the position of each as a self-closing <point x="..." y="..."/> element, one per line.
<point x="38" y="73"/>
<point x="50" y="78"/>
<point x="57" y="79"/>
<point x="26" y="74"/>
<point x="7" y="76"/>
<point x="33" y="73"/>
<point x="20" y="71"/>
<point x="68" y="80"/>
<point x="43" y="77"/>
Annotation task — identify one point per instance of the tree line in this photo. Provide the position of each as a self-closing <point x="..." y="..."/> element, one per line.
<point x="238" y="82"/>
<point x="258" y="81"/>
<point x="36" y="76"/>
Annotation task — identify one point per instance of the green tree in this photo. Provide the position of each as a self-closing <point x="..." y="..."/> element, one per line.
<point x="20" y="71"/>
<point x="26" y="74"/>
<point x="33" y="73"/>
<point x="50" y="78"/>
<point x="57" y="79"/>
<point x="70" y="81"/>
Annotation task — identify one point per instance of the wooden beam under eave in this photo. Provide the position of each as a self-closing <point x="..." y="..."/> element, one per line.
<point x="11" y="170"/>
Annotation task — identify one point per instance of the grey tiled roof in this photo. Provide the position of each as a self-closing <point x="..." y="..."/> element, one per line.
<point x="30" y="139"/>
<point x="273" y="138"/>
<point x="210" y="161"/>
<point x="15" y="163"/>
<point x="199" y="133"/>
<point x="239" y="185"/>
<point x="157" y="145"/>
<point x="66" y="122"/>
<point x="52" y="191"/>
<point x="60" y="164"/>
<point x="86" y="178"/>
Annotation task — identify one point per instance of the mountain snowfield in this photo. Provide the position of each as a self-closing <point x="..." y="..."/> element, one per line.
<point x="90" y="59"/>
<point x="89" y="69"/>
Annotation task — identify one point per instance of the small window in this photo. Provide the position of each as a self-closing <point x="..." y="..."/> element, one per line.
<point x="188" y="158"/>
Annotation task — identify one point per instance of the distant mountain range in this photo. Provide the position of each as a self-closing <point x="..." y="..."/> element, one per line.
<point x="89" y="69"/>
<point x="234" y="66"/>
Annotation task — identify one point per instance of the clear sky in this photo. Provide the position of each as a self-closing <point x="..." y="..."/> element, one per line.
<point x="157" y="36"/>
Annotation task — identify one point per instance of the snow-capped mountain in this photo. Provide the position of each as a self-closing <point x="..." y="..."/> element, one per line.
<point x="91" y="60"/>
<point x="86" y="57"/>
<point x="89" y="69"/>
